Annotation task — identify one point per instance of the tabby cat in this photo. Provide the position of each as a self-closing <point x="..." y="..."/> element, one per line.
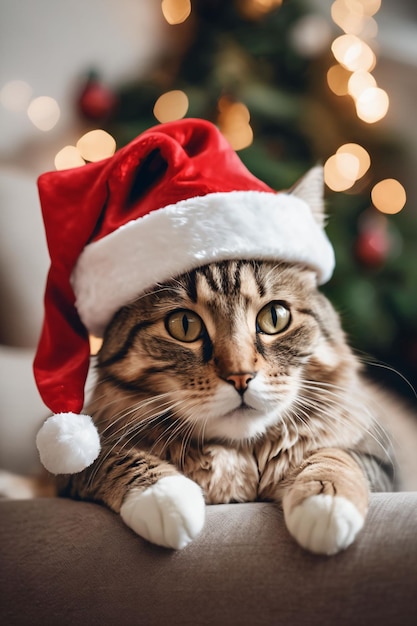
<point x="234" y="383"/>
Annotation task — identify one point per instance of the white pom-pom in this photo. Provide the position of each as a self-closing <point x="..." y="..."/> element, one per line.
<point x="68" y="443"/>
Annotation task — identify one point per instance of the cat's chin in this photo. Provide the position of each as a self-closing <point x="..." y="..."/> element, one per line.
<point x="243" y="423"/>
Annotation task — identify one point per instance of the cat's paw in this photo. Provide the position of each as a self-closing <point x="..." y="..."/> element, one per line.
<point x="170" y="513"/>
<point x="324" y="524"/>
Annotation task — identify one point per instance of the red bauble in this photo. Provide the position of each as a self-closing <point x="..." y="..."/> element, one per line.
<point x="96" y="102"/>
<point x="372" y="247"/>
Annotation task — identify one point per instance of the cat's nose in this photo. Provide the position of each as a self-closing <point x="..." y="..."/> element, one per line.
<point x="240" y="381"/>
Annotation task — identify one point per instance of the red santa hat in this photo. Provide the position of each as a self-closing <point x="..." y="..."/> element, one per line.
<point x="175" y="198"/>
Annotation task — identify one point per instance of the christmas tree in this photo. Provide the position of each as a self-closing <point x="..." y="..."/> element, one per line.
<point x="259" y="69"/>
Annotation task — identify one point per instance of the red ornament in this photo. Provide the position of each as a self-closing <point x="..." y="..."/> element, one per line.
<point x="96" y="102"/>
<point x="372" y="247"/>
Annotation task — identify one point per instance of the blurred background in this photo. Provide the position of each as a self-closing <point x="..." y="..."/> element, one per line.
<point x="289" y="82"/>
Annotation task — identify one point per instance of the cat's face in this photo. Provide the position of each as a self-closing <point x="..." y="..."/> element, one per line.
<point x="226" y="350"/>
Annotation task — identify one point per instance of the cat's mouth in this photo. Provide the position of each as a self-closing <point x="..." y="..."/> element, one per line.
<point x="243" y="413"/>
<point x="240" y="417"/>
<point x="244" y="408"/>
<point x="240" y="423"/>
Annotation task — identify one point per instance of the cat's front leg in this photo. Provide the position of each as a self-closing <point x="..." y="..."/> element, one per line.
<point x="325" y="505"/>
<point x="155" y="500"/>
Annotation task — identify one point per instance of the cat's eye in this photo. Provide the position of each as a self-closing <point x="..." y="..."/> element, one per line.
<point x="273" y="318"/>
<point x="184" y="325"/>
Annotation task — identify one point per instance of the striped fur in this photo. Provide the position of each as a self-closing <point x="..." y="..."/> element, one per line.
<point x="165" y="407"/>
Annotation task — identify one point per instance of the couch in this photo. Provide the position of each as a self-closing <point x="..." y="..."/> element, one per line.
<point x="67" y="563"/>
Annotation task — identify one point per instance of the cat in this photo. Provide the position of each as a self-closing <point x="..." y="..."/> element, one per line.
<point x="233" y="383"/>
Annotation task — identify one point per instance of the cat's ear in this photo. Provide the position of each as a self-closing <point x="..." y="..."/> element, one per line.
<point x="310" y="188"/>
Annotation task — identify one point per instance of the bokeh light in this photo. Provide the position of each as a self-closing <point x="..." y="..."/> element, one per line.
<point x="255" y="9"/>
<point x="355" y="18"/>
<point x="349" y="21"/>
<point x="364" y="160"/>
<point x="338" y="79"/>
<point x="233" y="121"/>
<point x="344" y="46"/>
<point x="341" y="171"/>
<point x="369" y="28"/>
<point x="353" y="53"/>
<point x="359" y="82"/>
<point x="372" y="105"/>
<point x="68" y="158"/>
<point x="171" y="106"/>
<point x="44" y="112"/>
<point x="96" y="145"/>
<point x="15" y="95"/>
<point x="176" y="11"/>
<point x="311" y="35"/>
<point x="389" y="196"/>
<point x="352" y="76"/>
<point x="95" y="344"/>
<point x="369" y="7"/>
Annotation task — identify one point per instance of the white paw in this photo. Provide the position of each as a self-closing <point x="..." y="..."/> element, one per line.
<point x="171" y="513"/>
<point x="324" y="524"/>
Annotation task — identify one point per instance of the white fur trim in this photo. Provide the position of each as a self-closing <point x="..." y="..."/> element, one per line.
<point x="68" y="443"/>
<point x="115" y="270"/>
<point x="324" y="524"/>
<point x="171" y="513"/>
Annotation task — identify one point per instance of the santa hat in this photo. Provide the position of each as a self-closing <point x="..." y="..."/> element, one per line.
<point x="175" y="198"/>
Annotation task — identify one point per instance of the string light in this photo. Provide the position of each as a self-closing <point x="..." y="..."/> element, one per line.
<point x="338" y="80"/>
<point x="171" y="106"/>
<point x="389" y="196"/>
<point x="341" y="171"/>
<point x="350" y="162"/>
<point x="353" y="53"/>
<point x="176" y="11"/>
<point x="44" y="112"/>
<point x="360" y="81"/>
<point x="369" y="7"/>
<point x="355" y="17"/>
<point x="369" y="28"/>
<point x="352" y="76"/>
<point x="349" y="21"/>
<point x="364" y="160"/>
<point x="372" y="105"/>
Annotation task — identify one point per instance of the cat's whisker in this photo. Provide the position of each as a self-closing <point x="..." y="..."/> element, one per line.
<point x="168" y="408"/>
<point x="181" y="424"/>
<point x="137" y="410"/>
<point x="368" y="360"/>
<point x="112" y="448"/>
<point x="185" y="443"/>
<point x="355" y="426"/>
<point x="133" y="430"/>
<point x="202" y="429"/>
<point x="299" y="413"/>
<point x="290" y="418"/>
<point x="117" y="438"/>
